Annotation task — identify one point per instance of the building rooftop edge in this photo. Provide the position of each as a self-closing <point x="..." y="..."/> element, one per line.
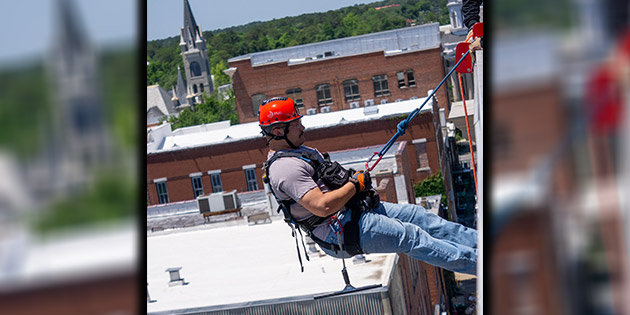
<point x="337" y="40"/>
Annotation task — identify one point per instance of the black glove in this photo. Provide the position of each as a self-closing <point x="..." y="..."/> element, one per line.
<point x="361" y="181"/>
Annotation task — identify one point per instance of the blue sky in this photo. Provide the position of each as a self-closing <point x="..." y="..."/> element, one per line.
<point x="165" y="17"/>
<point x="26" y="26"/>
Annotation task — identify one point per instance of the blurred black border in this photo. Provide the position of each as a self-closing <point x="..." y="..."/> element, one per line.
<point x="142" y="153"/>
<point x="486" y="214"/>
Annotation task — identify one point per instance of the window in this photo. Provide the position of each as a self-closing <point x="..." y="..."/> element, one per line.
<point x="401" y="80"/>
<point x="197" y="186"/>
<point x="380" y="85"/>
<point x="351" y="90"/>
<point x="401" y="76"/>
<point x="296" y="96"/>
<point x="201" y="86"/>
<point x="421" y="153"/>
<point x="411" y="81"/>
<point x="215" y="179"/>
<point x="194" y="88"/>
<point x="162" y="192"/>
<point x="257" y="99"/>
<point x="323" y="95"/>
<point x="250" y="175"/>
<point x="195" y="69"/>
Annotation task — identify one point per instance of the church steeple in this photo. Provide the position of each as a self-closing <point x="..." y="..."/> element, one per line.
<point x="191" y="31"/>
<point x="181" y="92"/>
<point x="195" y="57"/>
<point x="79" y="136"/>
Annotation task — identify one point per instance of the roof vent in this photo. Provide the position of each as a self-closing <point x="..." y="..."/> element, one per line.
<point x="175" y="277"/>
<point x="370" y="110"/>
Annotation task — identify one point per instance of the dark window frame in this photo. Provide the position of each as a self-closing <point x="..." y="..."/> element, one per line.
<point x="197" y="185"/>
<point x="195" y="69"/>
<point x="324" y="96"/>
<point x="381" y="87"/>
<point x="162" y="193"/>
<point x="250" y="177"/>
<point x="351" y="90"/>
<point x="293" y="94"/>
<point x="215" y="181"/>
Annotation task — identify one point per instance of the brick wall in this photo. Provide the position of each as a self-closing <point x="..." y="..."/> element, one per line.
<point x="385" y="186"/>
<point x="230" y="157"/>
<point x="275" y="79"/>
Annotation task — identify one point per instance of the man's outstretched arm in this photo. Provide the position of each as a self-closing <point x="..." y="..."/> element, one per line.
<point x="324" y="204"/>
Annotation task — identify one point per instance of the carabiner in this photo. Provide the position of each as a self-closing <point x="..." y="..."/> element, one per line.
<point x="367" y="164"/>
<point x="338" y="231"/>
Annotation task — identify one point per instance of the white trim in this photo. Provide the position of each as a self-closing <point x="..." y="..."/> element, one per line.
<point x="198" y="174"/>
<point x="159" y="180"/>
<point x="417" y="141"/>
<point x="214" y="172"/>
<point x="250" y="166"/>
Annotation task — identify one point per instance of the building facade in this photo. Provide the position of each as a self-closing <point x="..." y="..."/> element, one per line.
<point x="340" y="74"/>
<point x="182" y="174"/>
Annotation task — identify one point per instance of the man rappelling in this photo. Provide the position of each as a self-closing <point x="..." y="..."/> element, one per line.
<point x="322" y="198"/>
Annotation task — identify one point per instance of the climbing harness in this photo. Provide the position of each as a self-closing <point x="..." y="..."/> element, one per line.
<point x="403" y="125"/>
<point x="334" y="176"/>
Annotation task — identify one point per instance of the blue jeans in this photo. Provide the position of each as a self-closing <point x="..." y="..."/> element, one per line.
<point x="411" y="229"/>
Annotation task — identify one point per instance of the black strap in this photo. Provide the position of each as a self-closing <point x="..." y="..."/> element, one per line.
<point x="351" y="233"/>
<point x="351" y="229"/>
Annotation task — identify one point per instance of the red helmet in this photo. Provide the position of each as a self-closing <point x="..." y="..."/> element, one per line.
<point x="277" y="110"/>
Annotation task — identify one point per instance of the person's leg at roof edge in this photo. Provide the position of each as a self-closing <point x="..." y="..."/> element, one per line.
<point x="410" y="229"/>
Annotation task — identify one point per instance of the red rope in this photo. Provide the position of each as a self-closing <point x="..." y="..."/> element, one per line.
<point x="461" y="88"/>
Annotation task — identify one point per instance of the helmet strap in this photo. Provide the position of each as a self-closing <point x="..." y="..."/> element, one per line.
<point x="283" y="137"/>
<point x="286" y="132"/>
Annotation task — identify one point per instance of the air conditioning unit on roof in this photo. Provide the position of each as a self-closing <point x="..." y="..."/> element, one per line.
<point x="217" y="202"/>
<point x="384" y="101"/>
<point x="369" y="102"/>
<point x="370" y="110"/>
<point x="311" y="111"/>
<point x="325" y="109"/>
<point x="354" y="104"/>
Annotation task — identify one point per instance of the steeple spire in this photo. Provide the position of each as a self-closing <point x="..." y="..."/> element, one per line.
<point x="180" y="90"/>
<point x="190" y="26"/>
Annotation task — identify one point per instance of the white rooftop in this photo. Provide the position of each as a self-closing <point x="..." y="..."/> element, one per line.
<point x="220" y="132"/>
<point x="402" y="40"/>
<point x="240" y="264"/>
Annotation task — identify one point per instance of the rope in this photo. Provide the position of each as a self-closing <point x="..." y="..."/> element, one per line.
<point x="402" y="126"/>
<point x="472" y="155"/>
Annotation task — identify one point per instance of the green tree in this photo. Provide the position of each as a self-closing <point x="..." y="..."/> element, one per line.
<point x="220" y="78"/>
<point x="210" y="110"/>
<point x="164" y="55"/>
<point x="432" y="185"/>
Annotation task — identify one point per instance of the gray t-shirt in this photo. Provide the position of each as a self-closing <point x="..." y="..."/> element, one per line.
<point x="292" y="178"/>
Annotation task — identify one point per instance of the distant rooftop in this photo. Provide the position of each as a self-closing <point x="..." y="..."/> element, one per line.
<point x="161" y="140"/>
<point x="403" y="40"/>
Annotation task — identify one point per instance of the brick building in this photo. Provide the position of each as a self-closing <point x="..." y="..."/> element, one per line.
<point x="184" y="163"/>
<point x="344" y="73"/>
